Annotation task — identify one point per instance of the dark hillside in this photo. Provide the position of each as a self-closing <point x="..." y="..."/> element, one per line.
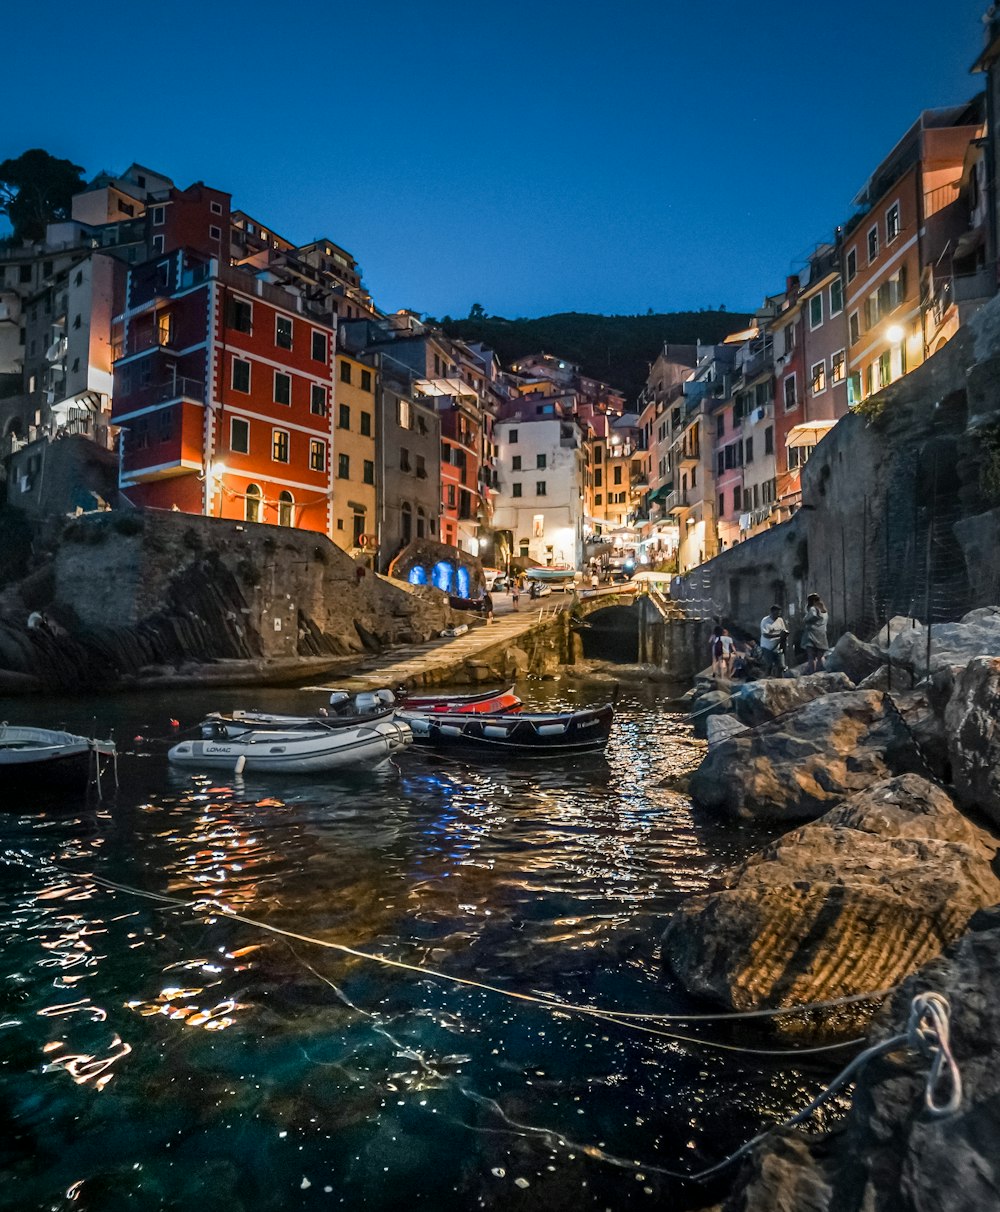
<point x="615" y="349"/>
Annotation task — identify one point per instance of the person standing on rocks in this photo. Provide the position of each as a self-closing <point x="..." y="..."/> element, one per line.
<point x="515" y="593"/>
<point x="721" y="648"/>
<point x="814" y="639"/>
<point x="773" y="633"/>
<point x="488" y="606"/>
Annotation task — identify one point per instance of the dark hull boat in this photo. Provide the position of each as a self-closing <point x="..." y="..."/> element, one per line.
<point x="48" y="756"/>
<point x="527" y="734"/>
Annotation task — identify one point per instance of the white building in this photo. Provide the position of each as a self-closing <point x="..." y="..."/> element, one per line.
<point x="540" y="465"/>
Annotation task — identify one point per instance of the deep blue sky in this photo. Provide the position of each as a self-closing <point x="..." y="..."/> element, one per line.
<point x="533" y="157"/>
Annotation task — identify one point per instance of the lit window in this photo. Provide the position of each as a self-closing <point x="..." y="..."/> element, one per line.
<point x="818" y="378"/>
<point x="286" y="504"/>
<point x="838" y="367"/>
<point x="252" y="503"/>
<point x="317" y="455"/>
<point x="279" y="445"/>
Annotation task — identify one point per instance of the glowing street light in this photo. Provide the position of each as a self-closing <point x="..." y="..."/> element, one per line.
<point x="895" y="333"/>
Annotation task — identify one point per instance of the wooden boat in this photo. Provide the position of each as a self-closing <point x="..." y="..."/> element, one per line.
<point x="44" y="754"/>
<point x="527" y="734"/>
<point x="308" y="748"/>
<point x="554" y="574"/>
<point x="484" y="702"/>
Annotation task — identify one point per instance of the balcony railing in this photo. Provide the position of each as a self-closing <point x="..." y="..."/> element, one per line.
<point x="140" y="341"/>
<point x="180" y="388"/>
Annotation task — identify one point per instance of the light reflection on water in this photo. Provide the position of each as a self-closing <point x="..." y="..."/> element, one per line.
<point x="157" y="1057"/>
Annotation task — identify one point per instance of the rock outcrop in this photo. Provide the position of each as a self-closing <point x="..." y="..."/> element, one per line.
<point x="797" y="767"/>
<point x="951" y="644"/>
<point x="854" y="657"/>
<point x="848" y="904"/>
<point x="972" y="730"/>
<point x="890" y="1156"/>
<point x="758" y="702"/>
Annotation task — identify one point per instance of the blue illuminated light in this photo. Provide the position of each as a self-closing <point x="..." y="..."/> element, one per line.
<point x="418" y="575"/>
<point x="443" y="576"/>
<point x="463" y="582"/>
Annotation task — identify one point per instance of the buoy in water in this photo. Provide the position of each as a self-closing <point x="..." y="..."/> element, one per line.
<point x="241" y="762"/>
<point x="175" y="723"/>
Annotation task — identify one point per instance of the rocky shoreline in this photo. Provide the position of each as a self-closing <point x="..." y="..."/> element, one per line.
<point x="885" y="769"/>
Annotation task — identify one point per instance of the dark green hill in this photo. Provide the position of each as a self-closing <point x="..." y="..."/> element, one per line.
<point x="615" y="349"/>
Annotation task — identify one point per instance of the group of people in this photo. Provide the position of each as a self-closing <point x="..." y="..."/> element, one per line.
<point x="774" y="642"/>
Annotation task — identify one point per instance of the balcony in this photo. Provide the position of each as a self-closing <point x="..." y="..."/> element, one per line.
<point x="141" y="342"/>
<point x="176" y="389"/>
<point x="689" y="455"/>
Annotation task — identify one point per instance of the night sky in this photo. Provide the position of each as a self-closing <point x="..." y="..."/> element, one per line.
<point x="532" y="157"/>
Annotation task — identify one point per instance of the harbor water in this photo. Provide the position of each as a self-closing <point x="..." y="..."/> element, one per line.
<point x="158" y="1057"/>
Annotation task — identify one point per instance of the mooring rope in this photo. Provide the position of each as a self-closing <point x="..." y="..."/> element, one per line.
<point x="623" y="1018"/>
<point x="927" y="1031"/>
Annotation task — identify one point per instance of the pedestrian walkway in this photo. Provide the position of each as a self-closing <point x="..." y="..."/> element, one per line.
<point x="411" y="665"/>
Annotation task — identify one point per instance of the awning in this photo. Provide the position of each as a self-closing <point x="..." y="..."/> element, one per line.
<point x="808" y="433"/>
<point x="658" y="494"/>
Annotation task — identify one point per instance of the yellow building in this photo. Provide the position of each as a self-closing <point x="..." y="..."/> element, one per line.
<point x="354" y="514"/>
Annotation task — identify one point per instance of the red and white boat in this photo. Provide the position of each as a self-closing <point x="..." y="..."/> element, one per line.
<point x="485" y="702"/>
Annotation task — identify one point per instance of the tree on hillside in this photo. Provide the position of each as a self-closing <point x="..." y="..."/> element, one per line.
<point x="36" y="188"/>
<point x="477" y="312"/>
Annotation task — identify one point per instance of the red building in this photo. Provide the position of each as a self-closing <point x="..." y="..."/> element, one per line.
<point x="223" y="382"/>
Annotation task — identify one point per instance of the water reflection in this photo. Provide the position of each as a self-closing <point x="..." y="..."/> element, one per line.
<point x="238" y="1069"/>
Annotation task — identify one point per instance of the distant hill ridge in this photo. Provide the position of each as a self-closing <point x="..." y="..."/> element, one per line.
<point x="614" y="349"/>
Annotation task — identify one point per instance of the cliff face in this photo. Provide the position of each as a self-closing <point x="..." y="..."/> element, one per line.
<point x="899" y="512"/>
<point x="152" y="588"/>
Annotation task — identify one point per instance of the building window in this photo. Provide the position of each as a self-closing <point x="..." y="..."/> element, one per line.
<point x="404" y="414"/>
<point x="366" y="424"/>
<point x="854" y="327"/>
<point x="279" y="445"/>
<point x="790" y="398"/>
<point x="515" y="463"/>
<point x="872" y="244"/>
<point x="317" y="455"/>
<point x="421" y="523"/>
<point x="239" y="435"/>
<point x="368" y="471"/>
<point x="838" y="366"/>
<point x="737" y="499"/>
<point x="769" y="440"/>
<point x="283" y="332"/>
<point x="451" y="496"/>
<point x="618" y="473"/>
<point x="540" y="462"/>
<point x="282" y="388"/>
<point x="319" y="346"/>
<point x="892" y="223"/>
<point x="515" y="490"/>
<point x="512" y="439"/>
<point x="157" y="244"/>
<point x="343" y="467"/>
<point x="366" y="380"/>
<point x="215" y="233"/>
<point x="407" y="514"/>
<point x="748" y="451"/>
<point x="598" y="498"/>
<point x="836" y="297"/>
<point x="252" y="503"/>
<point x="286" y="508"/>
<point x="158" y="215"/>
<point x="317" y="400"/>
<point x="241" y="375"/>
<point x="358" y="528"/>
<point x="818" y="378"/>
<point x="404" y="459"/>
<point x="815" y="311"/>
<point x="345" y="372"/>
<point x="344" y="417"/>
<point x="852" y="264"/>
<point x="540" y="488"/>
<point x="598" y="477"/>
<point x="421" y="467"/>
<point x="215" y="208"/>
<point x="240" y="315"/>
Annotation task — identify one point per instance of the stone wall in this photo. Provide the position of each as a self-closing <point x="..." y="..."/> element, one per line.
<point x="283" y="592"/>
<point x="898" y="514"/>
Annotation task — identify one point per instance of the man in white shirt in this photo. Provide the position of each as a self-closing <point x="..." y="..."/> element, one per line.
<point x="772" y="641"/>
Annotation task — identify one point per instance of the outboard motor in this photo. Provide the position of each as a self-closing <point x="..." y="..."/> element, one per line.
<point x="385" y="697"/>
<point x="339" y="702"/>
<point x="367" y="702"/>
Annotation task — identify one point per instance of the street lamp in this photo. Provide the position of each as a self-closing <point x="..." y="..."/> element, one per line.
<point x="895" y="333"/>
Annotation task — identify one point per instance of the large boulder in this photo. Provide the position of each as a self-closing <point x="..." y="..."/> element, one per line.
<point x="758" y="702"/>
<point x="798" y="766"/>
<point x="709" y="702"/>
<point x="890" y="1155"/>
<point x="854" y="657"/>
<point x="848" y="904"/>
<point x="972" y="729"/>
<point x="951" y="644"/>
